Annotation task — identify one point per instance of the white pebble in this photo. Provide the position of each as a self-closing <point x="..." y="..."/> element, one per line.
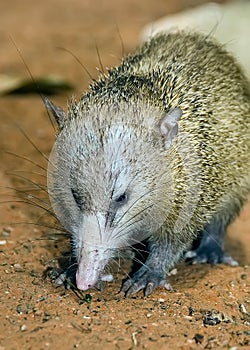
<point x="243" y="309"/>
<point x="18" y="267"/>
<point x="23" y="328"/>
<point x="161" y="300"/>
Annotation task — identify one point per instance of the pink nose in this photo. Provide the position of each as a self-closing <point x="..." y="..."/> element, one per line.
<point x="82" y="283"/>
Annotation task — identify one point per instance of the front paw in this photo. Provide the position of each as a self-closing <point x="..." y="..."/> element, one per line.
<point x="66" y="278"/>
<point x="145" y="279"/>
<point x="204" y="254"/>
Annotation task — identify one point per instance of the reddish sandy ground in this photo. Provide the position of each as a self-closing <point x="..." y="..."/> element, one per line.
<point x="33" y="313"/>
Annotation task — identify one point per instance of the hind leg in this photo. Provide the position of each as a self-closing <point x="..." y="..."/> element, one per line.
<point x="209" y="246"/>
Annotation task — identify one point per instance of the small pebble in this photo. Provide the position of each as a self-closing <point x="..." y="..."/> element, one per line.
<point x="76" y="312"/>
<point x="33" y="273"/>
<point x="243" y="309"/>
<point x="198" y="338"/>
<point x="134" y="338"/>
<point x="213" y="317"/>
<point x="23" y="328"/>
<point x="3" y="242"/>
<point x="19" y="309"/>
<point x="7" y="231"/>
<point x="87" y="317"/>
<point x="161" y="300"/>
<point x="37" y="312"/>
<point x="18" y="268"/>
<point x="5" y="234"/>
<point x="128" y="322"/>
<point x="152" y="339"/>
<point x="46" y="317"/>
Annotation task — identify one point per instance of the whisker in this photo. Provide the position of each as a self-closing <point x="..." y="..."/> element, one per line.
<point x="31" y="76"/>
<point x="114" y="261"/>
<point x="29" y="202"/>
<point x="51" y="236"/>
<point x="37" y="224"/>
<point x="130" y="221"/>
<point x="72" y="265"/>
<point x="121" y="41"/>
<point x="50" y="212"/>
<point x="29" y="195"/>
<point x="99" y="58"/>
<point x="99" y="227"/>
<point x="27" y="171"/>
<point x="33" y="144"/>
<point x="131" y="206"/>
<point x="26" y="159"/>
<point x="77" y="59"/>
<point x="42" y="188"/>
<point x="119" y="234"/>
<point x="128" y="274"/>
<point x="141" y="263"/>
<point x="138" y="250"/>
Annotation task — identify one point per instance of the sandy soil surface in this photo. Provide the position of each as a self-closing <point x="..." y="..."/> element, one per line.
<point x="210" y="306"/>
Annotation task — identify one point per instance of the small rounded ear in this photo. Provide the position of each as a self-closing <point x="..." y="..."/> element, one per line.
<point x="58" y="113"/>
<point x="169" y="125"/>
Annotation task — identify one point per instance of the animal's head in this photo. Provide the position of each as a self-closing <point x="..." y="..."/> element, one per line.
<point x="109" y="180"/>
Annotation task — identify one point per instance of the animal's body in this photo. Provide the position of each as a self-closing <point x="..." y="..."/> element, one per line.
<point x="157" y="149"/>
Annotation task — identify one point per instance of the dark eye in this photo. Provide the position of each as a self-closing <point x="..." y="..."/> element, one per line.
<point x="122" y="198"/>
<point x="77" y="198"/>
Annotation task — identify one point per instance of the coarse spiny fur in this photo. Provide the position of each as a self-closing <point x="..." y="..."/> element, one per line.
<point x="193" y="73"/>
<point x="196" y="183"/>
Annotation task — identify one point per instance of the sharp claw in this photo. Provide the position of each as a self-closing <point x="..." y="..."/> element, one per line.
<point x="126" y="285"/>
<point x="100" y="285"/>
<point x="149" y="288"/>
<point x="228" y="260"/>
<point x="166" y="285"/>
<point x="60" y="280"/>
<point x="134" y="289"/>
<point x="199" y="260"/>
<point x="146" y="282"/>
<point x="193" y="257"/>
<point x="128" y="293"/>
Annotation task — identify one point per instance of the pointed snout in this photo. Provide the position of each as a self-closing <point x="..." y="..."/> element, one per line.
<point x="90" y="267"/>
<point x="93" y="253"/>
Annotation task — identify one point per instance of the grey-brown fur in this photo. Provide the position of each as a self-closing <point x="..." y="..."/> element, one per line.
<point x="186" y="105"/>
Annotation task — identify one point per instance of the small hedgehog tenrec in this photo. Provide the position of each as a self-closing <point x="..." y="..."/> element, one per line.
<point x="158" y="150"/>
